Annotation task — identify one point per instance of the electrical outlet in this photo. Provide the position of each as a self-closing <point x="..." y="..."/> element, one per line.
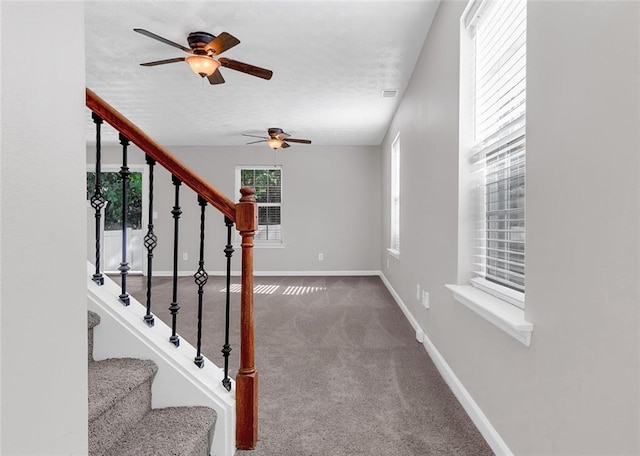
<point x="387" y="263"/>
<point x="321" y="257"/>
<point x="425" y="299"/>
<point x="418" y="292"/>
<point x="185" y="256"/>
<point x="155" y="215"/>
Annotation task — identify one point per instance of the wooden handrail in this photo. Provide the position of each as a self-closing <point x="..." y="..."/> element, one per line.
<point x="161" y="155"/>
<point x="245" y="216"/>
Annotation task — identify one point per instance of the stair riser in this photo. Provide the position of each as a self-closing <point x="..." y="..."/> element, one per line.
<point x="202" y="450"/>
<point x="203" y="446"/>
<point x="93" y="319"/>
<point x="106" y="429"/>
<point x="170" y="431"/>
<point x="90" y="348"/>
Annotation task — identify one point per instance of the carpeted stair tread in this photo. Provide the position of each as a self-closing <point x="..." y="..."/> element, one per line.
<point x="171" y="431"/>
<point x="110" y="380"/>
<point x="93" y="319"/>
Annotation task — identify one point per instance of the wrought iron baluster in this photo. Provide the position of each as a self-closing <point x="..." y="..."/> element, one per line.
<point x="97" y="200"/>
<point x="150" y="242"/>
<point x="174" y="307"/>
<point x="201" y="278"/>
<point x="124" y="176"/>
<point x="226" y="349"/>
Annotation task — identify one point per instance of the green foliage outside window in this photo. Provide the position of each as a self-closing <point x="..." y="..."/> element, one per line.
<point x="111" y="189"/>
<point x="267" y="183"/>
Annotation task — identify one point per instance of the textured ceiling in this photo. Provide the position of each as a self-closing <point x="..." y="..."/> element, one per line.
<point x="331" y="60"/>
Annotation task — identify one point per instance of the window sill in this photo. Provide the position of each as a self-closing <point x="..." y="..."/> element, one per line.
<point x="394" y="253"/>
<point x="267" y="245"/>
<point x="505" y="316"/>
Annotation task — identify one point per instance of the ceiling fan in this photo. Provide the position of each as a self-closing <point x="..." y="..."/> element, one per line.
<point x="277" y="139"/>
<point x="203" y="47"/>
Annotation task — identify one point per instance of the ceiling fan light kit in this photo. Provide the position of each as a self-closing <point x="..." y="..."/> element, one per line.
<point x="202" y="65"/>
<point x="274" y="143"/>
<point x="277" y="139"/>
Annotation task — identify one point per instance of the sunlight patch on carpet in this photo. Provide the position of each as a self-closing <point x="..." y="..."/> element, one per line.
<point x="295" y="290"/>
<point x="272" y="289"/>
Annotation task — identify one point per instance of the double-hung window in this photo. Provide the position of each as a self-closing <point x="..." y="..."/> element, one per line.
<point x="498" y="33"/>
<point x="267" y="181"/>
<point x="394" y="243"/>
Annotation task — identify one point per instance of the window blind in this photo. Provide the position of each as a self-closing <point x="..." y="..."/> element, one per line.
<point x="267" y="182"/>
<point x="498" y="30"/>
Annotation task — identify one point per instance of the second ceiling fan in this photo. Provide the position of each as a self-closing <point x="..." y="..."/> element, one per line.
<point x="203" y="47"/>
<point x="277" y="139"/>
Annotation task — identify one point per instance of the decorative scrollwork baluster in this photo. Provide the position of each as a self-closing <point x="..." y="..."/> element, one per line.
<point x="174" y="307"/>
<point x="201" y="278"/>
<point x="150" y="243"/>
<point x="124" y="176"/>
<point x="97" y="200"/>
<point x="226" y="349"/>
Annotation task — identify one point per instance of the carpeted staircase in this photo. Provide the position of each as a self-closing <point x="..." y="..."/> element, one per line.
<point x="121" y="420"/>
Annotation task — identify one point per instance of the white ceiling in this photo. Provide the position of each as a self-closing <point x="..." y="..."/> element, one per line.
<point x="330" y="62"/>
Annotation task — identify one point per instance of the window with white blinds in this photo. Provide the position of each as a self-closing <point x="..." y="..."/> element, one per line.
<point x="498" y="32"/>
<point x="395" y="195"/>
<point x="267" y="181"/>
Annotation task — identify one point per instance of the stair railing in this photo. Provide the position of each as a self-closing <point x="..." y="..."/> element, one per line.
<point x="243" y="214"/>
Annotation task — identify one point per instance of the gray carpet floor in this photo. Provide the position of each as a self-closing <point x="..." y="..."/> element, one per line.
<point x="341" y="373"/>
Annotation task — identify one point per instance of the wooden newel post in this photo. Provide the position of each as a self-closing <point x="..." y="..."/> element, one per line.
<point x="247" y="378"/>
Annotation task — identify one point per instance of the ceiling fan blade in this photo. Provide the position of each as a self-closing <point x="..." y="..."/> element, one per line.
<point x="246" y="68"/>
<point x="216" y="77"/>
<point x="301" y="141"/>
<point x="253" y="136"/>
<point x="162" y="62"/>
<point x="284" y="145"/>
<point x="221" y="43"/>
<point x="162" y="40"/>
<point x="255" y="142"/>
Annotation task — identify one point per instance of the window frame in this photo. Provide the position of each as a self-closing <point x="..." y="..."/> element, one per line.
<point x="394" y="213"/>
<point x="501" y="306"/>
<point x="274" y="243"/>
<point x="495" y="288"/>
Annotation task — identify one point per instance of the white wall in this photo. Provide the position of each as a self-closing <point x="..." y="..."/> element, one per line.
<point x="43" y="334"/>
<point x="331" y="205"/>
<point x="576" y="389"/>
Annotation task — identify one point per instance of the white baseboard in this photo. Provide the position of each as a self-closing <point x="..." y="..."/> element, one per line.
<point x="180" y="273"/>
<point x="420" y="335"/>
<point x="275" y="273"/>
<point x="315" y="273"/>
<point x="478" y="418"/>
<point x="481" y="421"/>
